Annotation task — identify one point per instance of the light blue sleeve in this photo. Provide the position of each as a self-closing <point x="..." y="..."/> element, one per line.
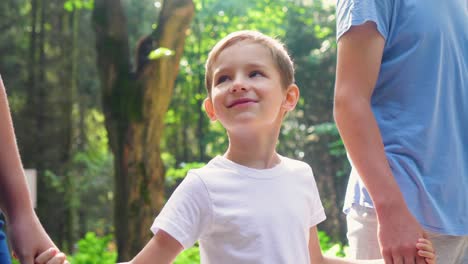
<point x="357" y="12"/>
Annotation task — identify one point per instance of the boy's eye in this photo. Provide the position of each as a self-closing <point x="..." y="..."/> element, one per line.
<point x="255" y="74"/>
<point x="221" y="79"/>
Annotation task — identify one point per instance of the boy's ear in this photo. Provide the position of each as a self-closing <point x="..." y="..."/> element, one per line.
<point x="209" y="109"/>
<point x="292" y="97"/>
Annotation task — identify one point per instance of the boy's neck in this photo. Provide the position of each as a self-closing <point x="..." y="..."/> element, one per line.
<point x="257" y="150"/>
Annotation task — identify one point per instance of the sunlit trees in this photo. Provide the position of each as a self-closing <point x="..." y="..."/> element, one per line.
<point x="135" y="100"/>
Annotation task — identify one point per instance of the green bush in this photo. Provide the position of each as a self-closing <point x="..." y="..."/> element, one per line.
<point x="94" y="250"/>
<point x="189" y="256"/>
<point x="330" y="248"/>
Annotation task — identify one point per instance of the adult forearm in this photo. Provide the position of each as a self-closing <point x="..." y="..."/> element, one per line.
<point x="14" y="195"/>
<point x="361" y="136"/>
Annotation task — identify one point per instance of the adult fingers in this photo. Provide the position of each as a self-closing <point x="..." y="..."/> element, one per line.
<point x="388" y="259"/>
<point x="399" y="260"/>
<point x="420" y="261"/>
<point x="26" y="259"/>
<point x="387" y="256"/>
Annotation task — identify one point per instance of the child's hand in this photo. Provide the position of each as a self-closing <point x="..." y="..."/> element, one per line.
<point x="426" y="250"/>
<point x="51" y="256"/>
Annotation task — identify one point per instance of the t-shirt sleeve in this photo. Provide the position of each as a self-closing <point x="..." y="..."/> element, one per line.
<point x="187" y="214"/>
<point x="317" y="213"/>
<point x="356" y="12"/>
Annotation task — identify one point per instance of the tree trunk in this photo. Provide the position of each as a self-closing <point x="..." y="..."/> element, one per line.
<point x="134" y="106"/>
<point x="26" y="139"/>
<point x="71" y="181"/>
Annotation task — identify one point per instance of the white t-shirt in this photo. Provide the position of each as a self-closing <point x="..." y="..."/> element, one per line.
<point x="244" y="215"/>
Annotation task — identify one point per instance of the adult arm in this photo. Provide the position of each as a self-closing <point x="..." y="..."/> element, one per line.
<point x="359" y="57"/>
<point x="26" y="234"/>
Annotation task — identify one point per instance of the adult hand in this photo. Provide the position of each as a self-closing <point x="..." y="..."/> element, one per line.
<point x="28" y="238"/>
<point x="398" y="233"/>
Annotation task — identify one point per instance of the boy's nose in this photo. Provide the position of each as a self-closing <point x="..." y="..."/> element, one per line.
<point x="238" y="85"/>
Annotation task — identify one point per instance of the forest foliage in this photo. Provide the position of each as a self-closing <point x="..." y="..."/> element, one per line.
<point x="48" y="63"/>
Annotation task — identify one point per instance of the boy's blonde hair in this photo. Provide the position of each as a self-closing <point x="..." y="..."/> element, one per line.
<point x="278" y="52"/>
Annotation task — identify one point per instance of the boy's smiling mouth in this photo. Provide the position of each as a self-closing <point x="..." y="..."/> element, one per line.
<point x="241" y="101"/>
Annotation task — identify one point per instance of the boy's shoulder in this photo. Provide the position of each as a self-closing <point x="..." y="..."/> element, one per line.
<point x="220" y="165"/>
<point x="223" y="174"/>
<point x="213" y="167"/>
<point x="295" y="164"/>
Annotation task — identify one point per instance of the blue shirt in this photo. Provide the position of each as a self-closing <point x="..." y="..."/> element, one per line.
<point x="4" y="251"/>
<point x="420" y="102"/>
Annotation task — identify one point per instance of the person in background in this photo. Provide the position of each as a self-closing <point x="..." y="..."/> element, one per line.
<point x="27" y="236"/>
<point x="401" y="107"/>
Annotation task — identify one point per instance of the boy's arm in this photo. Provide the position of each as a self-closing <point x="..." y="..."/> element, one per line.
<point x="161" y="249"/>
<point x="51" y="256"/>
<point x="358" y="64"/>
<point x="317" y="257"/>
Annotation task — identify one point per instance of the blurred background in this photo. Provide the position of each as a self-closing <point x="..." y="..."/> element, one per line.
<point x="106" y="101"/>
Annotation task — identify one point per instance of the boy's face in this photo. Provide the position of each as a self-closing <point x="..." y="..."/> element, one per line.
<point x="246" y="91"/>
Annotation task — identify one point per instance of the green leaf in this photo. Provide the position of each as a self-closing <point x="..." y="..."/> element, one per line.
<point x="71" y="5"/>
<point x="159" y="53"/>
<point x="68" y="6"/>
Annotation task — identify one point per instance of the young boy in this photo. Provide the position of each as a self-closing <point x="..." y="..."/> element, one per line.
<point x="250" y="205"/>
